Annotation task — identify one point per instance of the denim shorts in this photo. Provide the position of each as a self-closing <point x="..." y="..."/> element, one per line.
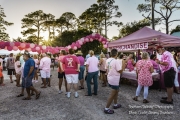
<point x="81" y="73"/>
<point x="114" y="87"/>
<point x="27" y="82"/>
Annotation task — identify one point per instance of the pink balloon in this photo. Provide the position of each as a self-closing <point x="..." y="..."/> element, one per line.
<point x="75" y="48"/>
<point x="43" y="47"/>
<point x="33" y="49"/>
<point x="32" y="45"/>
<point x="9" y="48"/>
<point x="15" y="48"/>
<point x="91" y="40"/>
<point x="105" y="46"/>
<point x="7" y="43"/>
<point x="28" y="49"/>
<point x="22" y="45"/>
<point x="86" y="39"/>
<point x="17" y="44"/>
<point x="12" y="44"/>
<point x="27" y="45"/>
<point x="37" y="48"/>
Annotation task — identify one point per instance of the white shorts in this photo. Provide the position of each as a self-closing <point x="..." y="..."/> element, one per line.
<point x="72" y="78"/>
<point x="45" y="74"/>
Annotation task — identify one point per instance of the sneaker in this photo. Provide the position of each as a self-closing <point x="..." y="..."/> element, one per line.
<point x="76" y="95"/>
<point x="36" y="81"/>
<point x="68" y="95"/>
<point x="109" y="111"/>
<point x="60" y="91"/>
<point x="117" y="106"/>
<point x="33" y="81"/>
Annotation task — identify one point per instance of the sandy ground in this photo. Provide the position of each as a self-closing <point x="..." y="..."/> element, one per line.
<point x="54" y="106"/>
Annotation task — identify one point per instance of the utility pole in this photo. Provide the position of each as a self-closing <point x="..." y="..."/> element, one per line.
<point x="152" y="11"/>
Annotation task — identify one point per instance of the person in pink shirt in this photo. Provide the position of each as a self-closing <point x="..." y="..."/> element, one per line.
<point x="114" y="68"/>
<point x="18" y="71"/>
<point x="36" y="68"/>
<point x="144" y="68"/>
<point x="169" y="73"/>
<point x="61" y="74"/>
<point x="71" y="69"/>
<point x="45" y="67"/>
<point x="92" y="69"/>
<point x="154" y="62"/>
<point x="130" y="63"/>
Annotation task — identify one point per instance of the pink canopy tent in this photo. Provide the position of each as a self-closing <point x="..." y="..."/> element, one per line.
<point x="149" y="36"/>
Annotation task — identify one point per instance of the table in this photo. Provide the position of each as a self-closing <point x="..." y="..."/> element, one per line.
<point x="133" y="76"/>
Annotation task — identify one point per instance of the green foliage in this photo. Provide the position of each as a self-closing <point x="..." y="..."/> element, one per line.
<point x="132" y="27"/>
<point x="33" y="25"/>
<point x="99" y="15"/>
<point x="177" y="29"/>
<point x="164" y="11"/>
<point x="3" y="24"/>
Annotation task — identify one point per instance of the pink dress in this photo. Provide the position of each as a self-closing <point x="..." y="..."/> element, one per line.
<point x="130" y="65"/>
<point x="144" y="75"/>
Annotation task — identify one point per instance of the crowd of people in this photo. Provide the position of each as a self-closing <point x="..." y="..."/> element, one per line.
<point x="74" y="69"/>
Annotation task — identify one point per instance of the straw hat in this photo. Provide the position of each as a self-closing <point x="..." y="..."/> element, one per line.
<point x="79" y="52"/>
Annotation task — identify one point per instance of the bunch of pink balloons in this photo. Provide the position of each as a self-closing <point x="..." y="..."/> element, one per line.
<point x="43" y="49"/>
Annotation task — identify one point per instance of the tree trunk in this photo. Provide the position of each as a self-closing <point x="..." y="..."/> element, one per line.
<point x="167" y="27"/>
<point x="38" y="35"/>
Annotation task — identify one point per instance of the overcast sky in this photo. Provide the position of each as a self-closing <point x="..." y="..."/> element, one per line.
<point x="15" y="10"/>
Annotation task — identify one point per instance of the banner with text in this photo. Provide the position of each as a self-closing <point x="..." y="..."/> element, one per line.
<point x="131" y="47"/>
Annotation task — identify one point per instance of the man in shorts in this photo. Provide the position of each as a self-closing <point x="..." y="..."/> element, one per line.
<point x="71" y="69"/>
<point x="10" y="65"/>
<point x="28" y="75"/>
<point x="61" y="74"/>
<point x="45" y="67"/>
<point x="166" y="64"/>
<point x="114" y="68"/>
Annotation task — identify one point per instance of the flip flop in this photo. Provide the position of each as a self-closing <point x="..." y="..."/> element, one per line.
<point x="20" y="95"/>
<point x="38" y="95"/>
<point x="32" y="94"/>
<point x="26" y="98"/>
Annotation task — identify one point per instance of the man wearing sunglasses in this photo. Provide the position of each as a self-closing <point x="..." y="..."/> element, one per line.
<point x="169" y="71"/>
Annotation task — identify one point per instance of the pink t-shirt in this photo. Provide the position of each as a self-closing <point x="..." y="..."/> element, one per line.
<point x="17" y="69"/>
<point x="113" y="66"/>
<point x="70" y="64"/>
<point x="93" y="64"/>
<point x="45" y="64"/>
<point x="166" y="57"/>
<point x="155" y="65"/>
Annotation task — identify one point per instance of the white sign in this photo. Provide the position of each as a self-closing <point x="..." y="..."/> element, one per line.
<point x="131" y="47"/>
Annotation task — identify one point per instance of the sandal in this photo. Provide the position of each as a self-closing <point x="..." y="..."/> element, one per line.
<point x="20" y="95"/>
<point x="104" y="85"/>
<point x="135" y="98"/>
<point x="38" y="95"/>
<point x="11" y="81"/>
<point x="109" y="111"/>
<point x="26" y="98"/>
<point x="116" y="107"/>
<point x="145" y="101"/>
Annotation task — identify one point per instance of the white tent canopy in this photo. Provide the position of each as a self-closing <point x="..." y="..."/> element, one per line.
<point x="6" y="52"/>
